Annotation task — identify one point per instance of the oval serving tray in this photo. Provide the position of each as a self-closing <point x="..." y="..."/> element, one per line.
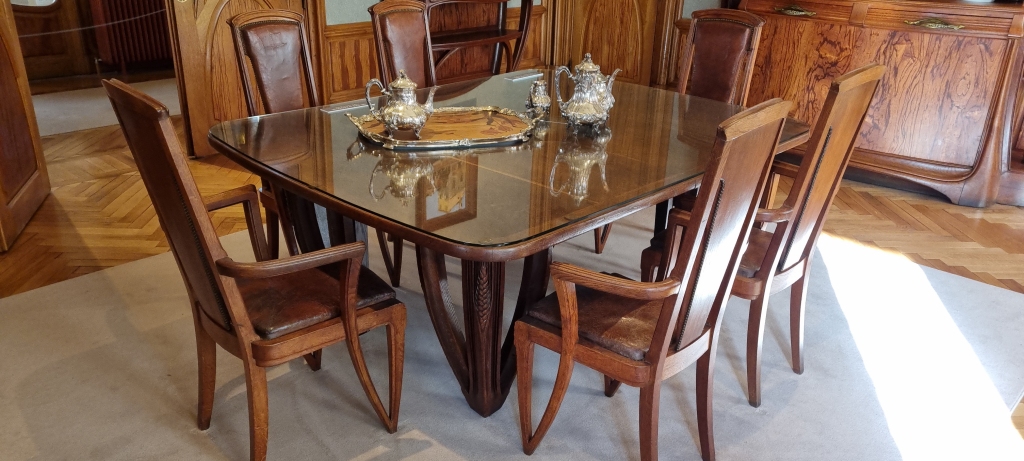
<point x="450" y="127"/>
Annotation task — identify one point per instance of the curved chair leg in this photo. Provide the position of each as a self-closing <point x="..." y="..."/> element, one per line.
<point x="206" y="350"/>
<point x="393" y="266"/>
<point x="705" y="411"/>
<point x="256" y="385"/>
<point x="313" y="359"/>
<point x="797" y="303"/>
<point x="355" y="350"/>
<point x="524" y="365"/>
<point x="601" y="237"/>
<point x="650" y="399"/>
<point x="396" y="363"/>
<point x="755" y="338"/>
<point x="610" y="386"/>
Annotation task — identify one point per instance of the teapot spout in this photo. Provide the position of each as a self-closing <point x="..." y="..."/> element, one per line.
<point x="429" y="106"/>
<point x="611" y="80"/>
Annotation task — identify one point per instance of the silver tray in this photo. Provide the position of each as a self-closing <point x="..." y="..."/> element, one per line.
<point x="453" y="127"/>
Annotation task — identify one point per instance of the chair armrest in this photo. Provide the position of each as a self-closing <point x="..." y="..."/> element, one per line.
<point x="238" y="195"/>
<point x="289" y="265"/>
<point x="774" y="215"/>
<point x="568" y="273"/>
<point x="781" y="168"/>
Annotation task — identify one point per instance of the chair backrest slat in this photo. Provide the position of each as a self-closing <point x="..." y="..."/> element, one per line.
<point x="723" y="214"/>
<point x="825" y="159"/>
<point x="402" y="36"/>
<point x="179" y="206"/>
<point x="717" y="59"/>
<point x="274" y="61"/>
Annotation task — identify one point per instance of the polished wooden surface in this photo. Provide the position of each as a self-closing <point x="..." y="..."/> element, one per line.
<point x="945" y="109"/>
<point x="619" y="35"/>
<point x="24" y="183"/>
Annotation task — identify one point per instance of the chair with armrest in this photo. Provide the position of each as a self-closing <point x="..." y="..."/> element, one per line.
<point x="267" y="312"/>
<point x="641" y="333"/>
<point x="402" y="37"/>
<point x="716" y="61"/>
<point x="277" y="76"/>
<point x="780" y="258"/>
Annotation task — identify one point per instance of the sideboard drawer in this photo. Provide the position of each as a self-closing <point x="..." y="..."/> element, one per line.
<point x="835" y="11"/>
<point x="980" y="23"/>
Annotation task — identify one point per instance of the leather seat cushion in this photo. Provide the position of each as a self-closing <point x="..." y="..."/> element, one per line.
<point x="622" y="325"/>
<point x="288" y="303"/>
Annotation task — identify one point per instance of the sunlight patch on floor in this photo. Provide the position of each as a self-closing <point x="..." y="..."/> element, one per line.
<point x="938" y="399"/>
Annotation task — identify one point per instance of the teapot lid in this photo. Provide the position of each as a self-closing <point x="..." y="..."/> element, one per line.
<point x="402" y="82"/>
<point x="587" y="65"/>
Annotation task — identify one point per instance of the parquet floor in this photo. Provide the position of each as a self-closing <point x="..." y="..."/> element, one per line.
<point x="99" y="216"/>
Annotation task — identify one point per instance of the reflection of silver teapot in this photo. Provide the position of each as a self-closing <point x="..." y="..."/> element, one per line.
<point x="592" y="97"/>
<point x="403" y="173"/>
<point x="402" y="111"/>
<point x="580" y="159"/>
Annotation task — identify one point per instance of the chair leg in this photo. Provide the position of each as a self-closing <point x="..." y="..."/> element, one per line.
<point x="273" y="234"/>
<point x="206" y="350"/>
<point x="355" y="350"/>
<point x="601" y="237"/>
<point x="755" y="338"/>
<point x="650" y="400"/>
<point x="393" y="266"/>
<point x="797" y="303"/>
<point x="705" y="411"/>
<point x="524" y="365"/>
<point x="396" y="363"/>
<point x="256" y="384"/>
<point x="610" y="386"/>
<point x="313" y="359"/>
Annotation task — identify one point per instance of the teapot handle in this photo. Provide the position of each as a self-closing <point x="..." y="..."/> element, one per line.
<point x="558" y="80"/>
<point x="383" y="90"/>
<point x="551" y="181"/>
<point x="373" y="176"/>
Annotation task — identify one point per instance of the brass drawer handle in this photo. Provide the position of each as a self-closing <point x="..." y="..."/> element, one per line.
<point x="794" y="10"/>
<point x="934" y="23"/>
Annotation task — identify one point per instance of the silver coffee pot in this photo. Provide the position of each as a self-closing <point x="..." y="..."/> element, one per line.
<point x="592" y="98"/>
<point x="401" y="111"/>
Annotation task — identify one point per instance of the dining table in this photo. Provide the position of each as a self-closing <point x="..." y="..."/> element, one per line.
<point x="487" y="206"/>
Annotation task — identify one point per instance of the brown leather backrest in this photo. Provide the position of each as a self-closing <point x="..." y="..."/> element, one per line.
<point x="179" y="207"/>
<point x="826" y="157"/>
<point x="273" y="57"/>
<point x="724" y="214"/>
<point x="401" y="32"/>
<point x="717" y="58"/>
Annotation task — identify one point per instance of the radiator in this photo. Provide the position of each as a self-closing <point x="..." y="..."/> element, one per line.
<point x="131" y="31"/>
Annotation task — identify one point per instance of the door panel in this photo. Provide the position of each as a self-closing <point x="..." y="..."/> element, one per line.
<point x="23" y="180"/>
<point x="209" y="85"/>
<point x="620" y="34"/>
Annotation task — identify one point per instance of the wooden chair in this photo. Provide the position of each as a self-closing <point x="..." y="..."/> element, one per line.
<point x="448" y="42"/>
<point x="402" y="36"/>
<point x="715" y="62"/>
<point x="268" y="312"/>
<point x="642" y="333"/>
<point x="277" y="76"/>
<point x="780" y="258"/>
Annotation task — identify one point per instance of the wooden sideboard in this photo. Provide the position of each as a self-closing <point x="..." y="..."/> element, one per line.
<point x="947" y="116"/>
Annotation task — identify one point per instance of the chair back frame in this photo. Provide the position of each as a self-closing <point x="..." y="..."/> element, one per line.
<point x="736" y="34"/>
<point x="259" y="69"/>
<point x="380" y="17"/>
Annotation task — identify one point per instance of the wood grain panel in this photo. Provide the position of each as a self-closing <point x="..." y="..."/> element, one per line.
<point x="620" y="34"/>
<point x="51" y="55"/>
<point x="466" y="62"/>
<point x="938" y="94"/>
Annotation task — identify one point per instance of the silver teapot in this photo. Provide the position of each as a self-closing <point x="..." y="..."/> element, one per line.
<point x="592" y="98"/>
<point x="539" y="103"/>
<point x="402" y="111"/>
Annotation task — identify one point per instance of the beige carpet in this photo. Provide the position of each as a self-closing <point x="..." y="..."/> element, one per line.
<point x="77" y="110"/>
<point x="904" y="362"/>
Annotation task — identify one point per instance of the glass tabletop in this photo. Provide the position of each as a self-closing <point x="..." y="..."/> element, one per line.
<point x="493" y="196"/>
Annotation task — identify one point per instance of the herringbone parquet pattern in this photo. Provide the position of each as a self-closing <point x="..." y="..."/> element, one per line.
<point x="99" y="214"/>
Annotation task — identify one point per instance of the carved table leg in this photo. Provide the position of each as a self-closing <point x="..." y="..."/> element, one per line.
<point x="483" y="364"/>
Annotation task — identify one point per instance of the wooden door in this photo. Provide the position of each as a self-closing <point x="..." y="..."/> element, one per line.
<point x="49" y="54"/>
<point x="620" y="34"/>
<point x="23" y="180"/>
<point x="209" y="85"/>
